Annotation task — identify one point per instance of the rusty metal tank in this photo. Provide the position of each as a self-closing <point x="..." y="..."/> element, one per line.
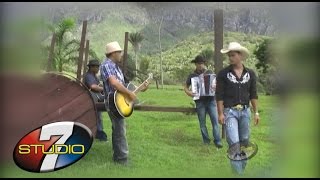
<point x="31" y="102"/>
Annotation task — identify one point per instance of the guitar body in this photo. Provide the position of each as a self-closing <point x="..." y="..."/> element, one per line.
<point x="97" y="96"/>
<point x="119" y="106"/>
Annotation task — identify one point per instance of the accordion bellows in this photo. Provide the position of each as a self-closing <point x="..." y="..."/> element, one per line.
<point x="203" y="85"/>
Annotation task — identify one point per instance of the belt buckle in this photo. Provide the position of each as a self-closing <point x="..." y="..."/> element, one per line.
<point x="239" y="107"/>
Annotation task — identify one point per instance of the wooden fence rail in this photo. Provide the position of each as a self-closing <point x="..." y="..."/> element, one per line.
<point x="101" y="107"/>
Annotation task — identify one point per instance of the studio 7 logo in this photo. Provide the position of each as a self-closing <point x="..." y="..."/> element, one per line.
<point x="53" y="146"/>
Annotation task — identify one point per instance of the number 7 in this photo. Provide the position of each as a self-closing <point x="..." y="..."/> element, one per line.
<point x="60" y="128"/>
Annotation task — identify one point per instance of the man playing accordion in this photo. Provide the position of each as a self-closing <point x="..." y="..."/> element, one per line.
<point x="202" y="82"/>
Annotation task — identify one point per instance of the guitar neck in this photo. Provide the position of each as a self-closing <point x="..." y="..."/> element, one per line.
<point x="138" y="89"/>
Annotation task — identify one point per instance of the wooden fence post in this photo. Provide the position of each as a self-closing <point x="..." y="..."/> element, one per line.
<point x="86" y="56"/>
<point x="83" y="37"/>
<point x="218" y="45"/>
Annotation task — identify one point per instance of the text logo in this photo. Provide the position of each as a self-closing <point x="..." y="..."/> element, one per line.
<point x="53" y="146"/>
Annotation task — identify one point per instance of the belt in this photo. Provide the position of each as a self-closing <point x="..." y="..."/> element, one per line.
<point x="240" y="107"/>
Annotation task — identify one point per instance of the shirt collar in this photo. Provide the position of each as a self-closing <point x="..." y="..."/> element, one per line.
<point x="110" y="61"/>
<point x="89" y="72"/>
<point x="244" y="68"/>
<point x="199" y="72"/>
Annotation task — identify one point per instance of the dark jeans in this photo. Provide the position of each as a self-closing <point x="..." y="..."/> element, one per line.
<point x="99" y="123"/>
<point x="203" y="106"/>
<point x="119" y="141"/>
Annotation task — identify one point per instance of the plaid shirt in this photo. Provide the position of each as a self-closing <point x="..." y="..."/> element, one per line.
<point x="109" y="68"/>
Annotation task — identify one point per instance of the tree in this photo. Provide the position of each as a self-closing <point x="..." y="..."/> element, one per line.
<point x="135" y="39"/>
<point x="144" y="63"/>
<point x="130" y="69"/>
<point x="208" y="55"/>
<point x="266" y="65"/>
<point x="263" y="55"/>
<point x="65" y="50"/>
<point x="66" y="47"/>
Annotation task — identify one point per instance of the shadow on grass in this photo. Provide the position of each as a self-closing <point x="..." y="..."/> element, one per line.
<point x="178" y="137"/>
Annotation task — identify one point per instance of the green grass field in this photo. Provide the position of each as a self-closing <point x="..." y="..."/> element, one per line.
<point x="170" y="145"/>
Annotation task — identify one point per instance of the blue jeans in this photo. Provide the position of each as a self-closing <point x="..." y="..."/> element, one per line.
<point x="99" y="123"/>
<point x="119" y="140"/>
<point x="203" y="106"/>
<point x="237" y="124"/>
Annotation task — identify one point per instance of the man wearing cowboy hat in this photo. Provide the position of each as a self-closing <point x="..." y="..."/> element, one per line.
<point x="204" y="104"/>
<point x="113" y="79"/>
<point x="92" y="82"/>
<point x="236" y="87"/>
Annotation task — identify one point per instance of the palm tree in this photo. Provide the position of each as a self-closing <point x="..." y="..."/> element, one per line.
<point x="66" y="48"/>
<point x="135" y="40"/>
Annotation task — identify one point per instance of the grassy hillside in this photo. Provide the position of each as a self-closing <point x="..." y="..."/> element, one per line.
<point x="178" y="48"/>
<point x="114" y="28"/>
<point x="150" y="45"/>
<point x="179" y="55"/>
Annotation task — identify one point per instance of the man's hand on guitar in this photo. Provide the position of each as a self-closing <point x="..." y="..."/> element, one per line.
<point x="145" y="86"/>
<point x="132" y="97"/>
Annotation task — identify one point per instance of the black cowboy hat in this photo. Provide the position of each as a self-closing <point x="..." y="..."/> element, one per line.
<point x="198" y="59"/>
<point x="93" y="62"/>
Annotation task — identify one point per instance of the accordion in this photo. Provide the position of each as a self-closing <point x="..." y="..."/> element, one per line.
<point x="203" y="85"/>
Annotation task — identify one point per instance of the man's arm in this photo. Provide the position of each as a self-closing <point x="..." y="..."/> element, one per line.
<point x="219" y="97"/>
<point x="254" y="98"/>
<point x="220" y="107"/>
<point x="254" y="103"/>
<point x="220" y="112"/>
<point x="96" y="88"/>
<point x="187" y="85"/>
<point x="108" y="73"/>
<point x="187" y="91"/>
<point x="91" y="83"/>
<point x="118" y="86"/>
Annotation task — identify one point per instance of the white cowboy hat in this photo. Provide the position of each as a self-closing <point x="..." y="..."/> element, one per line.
<point x="113" y="47"/>
<point x="234" y="46"/>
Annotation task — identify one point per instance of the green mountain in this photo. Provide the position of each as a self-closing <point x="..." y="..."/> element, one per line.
<point x="176" y="60"/>
<point x="185" y="32"/>
<point x="109" y="22"/>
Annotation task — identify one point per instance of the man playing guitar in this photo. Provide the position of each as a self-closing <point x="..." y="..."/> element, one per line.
<point x="113" y="80"/>
<point x="92" y="82"/>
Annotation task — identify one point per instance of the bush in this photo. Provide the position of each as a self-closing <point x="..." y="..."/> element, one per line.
<point x="130" y="75"/>
<point x="144" y="63"/>
<point x="180" y="75"/>
<point x="260" y="88"/>
<point x="168" y="80"/>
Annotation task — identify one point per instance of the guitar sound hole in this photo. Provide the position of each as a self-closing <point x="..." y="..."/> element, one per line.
<point x="125" y="100"/>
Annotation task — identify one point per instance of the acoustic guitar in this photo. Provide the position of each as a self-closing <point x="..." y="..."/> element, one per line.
<point x="119" y="105"/>
<point x="97" y="96"/>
